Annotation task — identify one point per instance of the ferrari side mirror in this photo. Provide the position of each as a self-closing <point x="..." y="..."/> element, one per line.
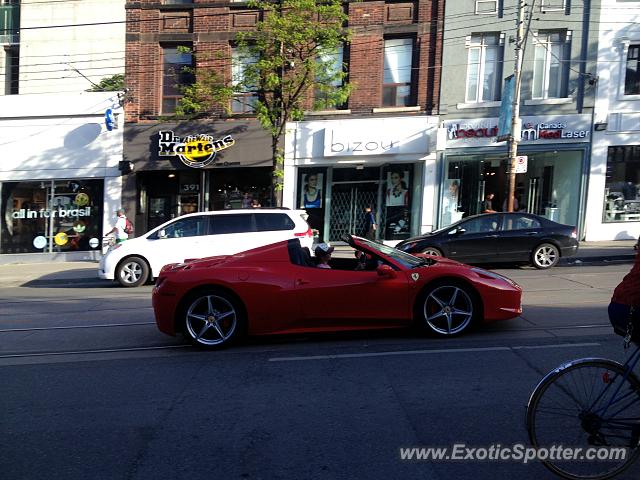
<point x="385" y="271"/>
<point x="162" y="234"/>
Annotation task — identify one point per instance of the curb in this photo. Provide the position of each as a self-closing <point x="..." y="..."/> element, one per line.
<point x="95" y="281"/>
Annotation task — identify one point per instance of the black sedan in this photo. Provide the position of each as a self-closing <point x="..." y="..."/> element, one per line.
<point x="499" y="237"/>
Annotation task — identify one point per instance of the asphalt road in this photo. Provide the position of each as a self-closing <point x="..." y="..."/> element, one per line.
<point x="91" y="390"/>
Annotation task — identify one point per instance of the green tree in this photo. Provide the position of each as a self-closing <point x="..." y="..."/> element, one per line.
<point x="114" y="83"/>
<point x="289" y="57"/>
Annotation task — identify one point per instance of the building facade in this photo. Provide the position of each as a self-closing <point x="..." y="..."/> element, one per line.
<point x="557" y="97"/>
<point x="59" y="179"/>
<point x="614" y="186"/>
<point x="392" y="61"/>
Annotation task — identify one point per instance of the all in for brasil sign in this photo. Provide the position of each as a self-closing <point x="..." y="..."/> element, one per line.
<point x="196" y="151"/>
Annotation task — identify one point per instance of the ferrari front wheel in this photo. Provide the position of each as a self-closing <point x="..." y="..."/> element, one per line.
<point x="212" y="319"/>
<point x="447" y="309"/>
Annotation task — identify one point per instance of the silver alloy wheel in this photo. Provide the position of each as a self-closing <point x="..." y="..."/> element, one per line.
<point x="448" y="310"/>
<point x="211" y="320"/>
<point x="131" y="272"/>
<point x="545" y="256"/>
<point x="432" y="251"/>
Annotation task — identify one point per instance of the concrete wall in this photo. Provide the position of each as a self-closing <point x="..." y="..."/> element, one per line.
<point x="62" y="137"/>
<point x="461" y="21"/>
<point x="620" y="27"/>
<point x="48" y="56"/>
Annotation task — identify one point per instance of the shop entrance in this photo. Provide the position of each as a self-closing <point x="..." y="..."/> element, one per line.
<point x="550" y="187"/>
<point x="348" y="201"/>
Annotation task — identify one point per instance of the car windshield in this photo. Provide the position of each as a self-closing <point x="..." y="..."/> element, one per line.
<point x="404" y="259"/>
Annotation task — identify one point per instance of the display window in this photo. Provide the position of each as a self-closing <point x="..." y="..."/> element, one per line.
<point x="475" y="184"/>
<point x="51" y="216"/>
<point x="622" y="185"/>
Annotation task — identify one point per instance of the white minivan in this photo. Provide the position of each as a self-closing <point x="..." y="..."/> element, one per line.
<point x="199" y="235"/>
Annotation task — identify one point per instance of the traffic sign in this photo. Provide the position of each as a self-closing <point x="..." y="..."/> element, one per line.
<point x="521" y="164"/>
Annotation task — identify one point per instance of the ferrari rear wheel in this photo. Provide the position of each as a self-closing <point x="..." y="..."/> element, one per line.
<point x="448" y="309"/>
<point x="433" y="252"/>
<point x="212" y="319"/>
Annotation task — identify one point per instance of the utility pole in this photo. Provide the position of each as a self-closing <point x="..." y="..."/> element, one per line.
<point x="515" y="118"/>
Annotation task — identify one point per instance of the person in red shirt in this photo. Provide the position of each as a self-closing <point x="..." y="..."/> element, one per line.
<point x="626" y="299"/>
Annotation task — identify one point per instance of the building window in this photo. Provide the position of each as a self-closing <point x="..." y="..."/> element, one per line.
<point x="51" y="216"/>
<point x="632" y="74"/>
<point x="552" y="5"/>
<point x="177" y="73"/>
<point x="551" y="65"/>
<point x="12" y="70"/>
<point x="484" y="68"/>
<point x="244" y="97"/>
<point x="486" y="7"/>
<point x="329" y="78"/>
<point x="398" y="62"/>
<point x="622" y="185"/>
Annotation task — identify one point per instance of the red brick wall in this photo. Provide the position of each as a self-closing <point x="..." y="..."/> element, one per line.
<point x="212" y="30"/>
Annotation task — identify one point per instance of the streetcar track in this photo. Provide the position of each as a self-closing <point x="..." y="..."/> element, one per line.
<point x="137" y="324"/>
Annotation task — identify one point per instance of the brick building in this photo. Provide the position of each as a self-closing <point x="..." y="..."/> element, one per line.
<point x="392" y="61"/>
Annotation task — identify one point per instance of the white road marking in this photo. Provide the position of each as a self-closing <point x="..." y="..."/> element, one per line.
<point x="428" y="352"/>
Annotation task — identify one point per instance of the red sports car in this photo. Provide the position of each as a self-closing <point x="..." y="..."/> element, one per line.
<point x="278" y="289"/>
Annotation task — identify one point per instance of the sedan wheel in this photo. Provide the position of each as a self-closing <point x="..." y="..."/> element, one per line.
<point x="211" y="320"/>
<point x="132" y="272"/>
<point x="545" y="256"/>
<point x="433" y="252"/>
<point x="448" y="309"/>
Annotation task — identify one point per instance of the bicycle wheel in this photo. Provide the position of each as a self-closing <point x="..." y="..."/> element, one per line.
<point x="587" y="404"/>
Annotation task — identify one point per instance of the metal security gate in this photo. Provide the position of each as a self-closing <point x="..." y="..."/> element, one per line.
<point x="348" y="201"/>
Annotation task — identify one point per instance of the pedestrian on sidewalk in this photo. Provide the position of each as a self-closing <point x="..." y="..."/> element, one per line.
<point x="370" y="226"/>
<point x="120" y="227"/>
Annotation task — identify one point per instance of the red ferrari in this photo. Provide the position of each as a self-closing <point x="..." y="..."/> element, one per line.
<point x="278" y="289"/>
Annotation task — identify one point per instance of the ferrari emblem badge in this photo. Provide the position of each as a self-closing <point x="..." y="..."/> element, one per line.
<point x="415" y="276"/>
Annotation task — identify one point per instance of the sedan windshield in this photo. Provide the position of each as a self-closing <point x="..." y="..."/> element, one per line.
<point x="404" y="259"/>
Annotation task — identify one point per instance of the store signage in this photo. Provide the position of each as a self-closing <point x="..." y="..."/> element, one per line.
<point x="534" y="129"/>
<point x="51" y="213"/>
<point x="196" y="151"/>
<point x="377" y="138"/>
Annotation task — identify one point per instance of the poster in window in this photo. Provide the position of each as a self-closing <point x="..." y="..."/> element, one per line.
<point x="450" y="202"/>
<point x="397" y="188"/>
<point x="311" y="193"/>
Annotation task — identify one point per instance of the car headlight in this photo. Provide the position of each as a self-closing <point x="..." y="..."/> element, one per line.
<point x="495" y="276"/>
<point x="405" y="247"/>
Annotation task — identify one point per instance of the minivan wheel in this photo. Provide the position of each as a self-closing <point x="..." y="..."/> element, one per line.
<point x="132" y="272"/>
<point x="545" y="256"/>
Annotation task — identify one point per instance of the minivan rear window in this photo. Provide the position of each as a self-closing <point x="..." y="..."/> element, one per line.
<point x="232" y="223"/>
<point x="266" y="222"/>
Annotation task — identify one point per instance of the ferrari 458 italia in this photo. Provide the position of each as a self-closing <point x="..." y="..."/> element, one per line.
<point x="277" y="289"/>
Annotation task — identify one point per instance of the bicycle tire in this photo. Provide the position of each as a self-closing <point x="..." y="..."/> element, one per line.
<point x="607" y="372"/>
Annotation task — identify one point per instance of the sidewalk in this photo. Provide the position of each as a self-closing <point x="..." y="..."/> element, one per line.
<point x="66" y="273"/>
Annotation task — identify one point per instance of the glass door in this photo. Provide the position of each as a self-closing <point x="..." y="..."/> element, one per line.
<point x="348" y="201"/>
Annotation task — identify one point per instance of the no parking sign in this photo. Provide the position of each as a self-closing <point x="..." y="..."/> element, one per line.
<point x="521" y="164"/>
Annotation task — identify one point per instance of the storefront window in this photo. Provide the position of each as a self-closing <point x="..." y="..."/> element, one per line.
<point x="339" y="204"/>
<point x="51" y="216"/>
<point x="622" y="187"/>
<point x="550" y="187"/>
